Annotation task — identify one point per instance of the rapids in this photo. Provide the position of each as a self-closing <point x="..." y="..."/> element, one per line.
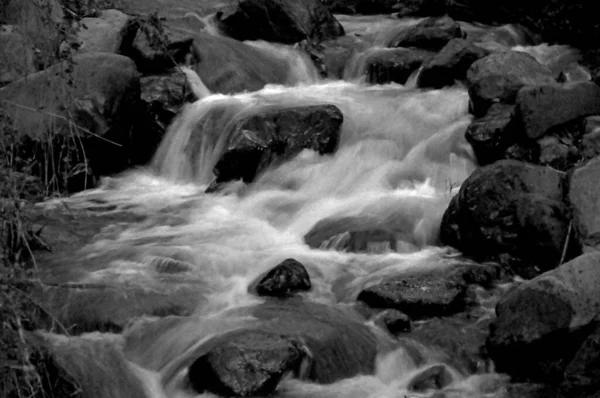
<point x="402" y="155"/>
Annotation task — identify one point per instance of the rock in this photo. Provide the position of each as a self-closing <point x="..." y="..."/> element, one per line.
<point x="431" y="34"/>
<point x="574" y="73"/>
<point x="393" y="321"/>
<point x="102" y="103"/>
<point x="420" y="8"/>
<point x="395" y="65"/>
<point x="544" y="106"/>
<point x="491" y="135"/>
<point x="103" y="34"/>
<point x="555" y="307"/>
<point x="499" y="77"/>
<point x="419" y="296"/>
<point x="274" y="135"/>
<point x="433" y="378"/>
<point x="283" y="21"/>
<point x="511" y="212"/>
<point x="39" y="21"/>
<point x="373" y="7"/>
<point x="313" y="341"/>
<point x="17" y="57"/>
<point x="584" y="198"/>
<point x="450" y="64"/>
<point x="557" y="151"/>
<point x="334" y="54"/>
<point x="590" y="143"/>
<point x="286" y="278"/>
<point x="248" y="363"/>
<point x="583" y="369"/>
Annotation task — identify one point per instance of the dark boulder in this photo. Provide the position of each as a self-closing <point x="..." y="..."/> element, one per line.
<point x="584" y="198"/>
<point x="286" y="278"/>
<point x="394" y="65"/>
<point x="435" y="377"/>
<point x="499" y="77"/>
<point x="542" y="323"/>
<point x="283" y="21"/>
<point x="430" y="34"/>
<point x="583" y="370"/>
<point x="450" y="64"/>
<point x="393" y="321"/>
<point x="544" y="106"/>
<point x="275" y="135"/>
<point x="491" y="135"/>
<point x="513" y="213"/>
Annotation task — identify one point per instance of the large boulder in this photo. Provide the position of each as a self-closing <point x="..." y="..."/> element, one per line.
<point x="542" y="323"/>
<point x="545" y="106"/>
<point x="511" y="212"/>
<point x="450" y="64"/>
<point x="17" y="56"/>
<point x="491" y="135"/>
<point x="584" y="198"/>
<point x="90" y="117"/>
<point x="499" y="77"/>
<point x="283" y="21"/>
<point x="274" y="135"/>
<point x="105" y="33"/>
<point x="310" y="341"/>
<point x="431" y="34"/>
<point x="395" y="65"/>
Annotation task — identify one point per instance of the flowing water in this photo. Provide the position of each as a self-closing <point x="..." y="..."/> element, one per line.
<point x="402" y="155"/>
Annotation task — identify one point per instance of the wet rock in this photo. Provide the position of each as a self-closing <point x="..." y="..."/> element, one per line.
<point x="433" y="378"/>
<point x="248" y="363"/>
<point x="39" y="21"/>
<point x="286" y="278"/>
<point x="419" y="296"/>
<point x="105" y="33"/>
<point x="282" y="21"/>
<point x="544" y="106"/>
<point x="584" y="198"/>
<point x="542" y="323"/>
<point x="393" y="321"/>
<point x="16" y="54"/>
<point x="511" y="212"/>
<point x="334" y="54"/>
<point x="314" y="342"/>
<point x="491" y="135"/>
<point x="275" y="135"/>
<point x="101" y="104"/>
<point x="431" y="34"/>
<point x="420" y="8"/>
<point x="499" y="77"/>
<point x="395" y="65"/>
<point x="450" y="64"/>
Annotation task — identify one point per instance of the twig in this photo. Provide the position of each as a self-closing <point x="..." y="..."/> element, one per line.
<point x="566" y="245"/>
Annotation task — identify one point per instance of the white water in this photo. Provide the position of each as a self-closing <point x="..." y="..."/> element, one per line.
<point x="401" y="157"/>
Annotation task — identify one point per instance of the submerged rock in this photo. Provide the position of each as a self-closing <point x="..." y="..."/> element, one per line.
<point x="395" y="65"/>
<point x="283" y="21"/>
<point x="433" y="378"/>
<point x="450" y="64"/>
<point x="275" y="135"/>
<point x="393" y="321"/>
<point x="542" y="323"/>
<point x="542" y="107"/>
<point x="513" y="213"/>
<point x="499" y="77"/>
<point x="431" y="34"/>
<point x="286" y="278"/>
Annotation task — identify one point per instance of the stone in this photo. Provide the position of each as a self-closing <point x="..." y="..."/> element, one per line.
<point x="574" y="73"/>
<point x="450" y="64"/>
<point x="499" y="77"/>
<point x="105" y="33"/>
<point x="284" y="279"/>
<point x="544" y="106"/>
<point x="275" y="135"/>
<point x="584" y="369"/>
<point x="393" y="321"/>
<point x="432" y="34"/>
<point x="511" y="212"/>
<point x="584" y="198"/>
<point x="282" y="21"/>
<point x="491" y="135"/>
<point x="394" y="65"/>
<point x="435" y="377"/>
<point x="17" y="57"/>
<point x="532" y="319"/>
